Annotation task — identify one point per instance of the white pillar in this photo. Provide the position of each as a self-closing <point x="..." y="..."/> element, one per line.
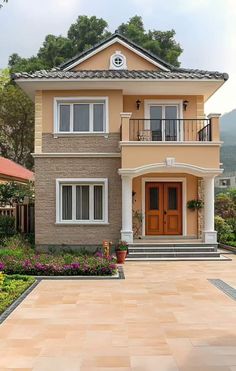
<point x="209" y="233"/>
<point x="127" y="229"/>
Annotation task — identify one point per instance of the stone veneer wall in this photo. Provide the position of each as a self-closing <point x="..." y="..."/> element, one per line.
<point x="47" y="171"/>
<point x="76" y="144"/>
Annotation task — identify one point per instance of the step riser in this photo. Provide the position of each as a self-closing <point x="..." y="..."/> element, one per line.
<point x="169" y="249"/>
<point x="183" y="245"/>
<point x="183" y="255"/>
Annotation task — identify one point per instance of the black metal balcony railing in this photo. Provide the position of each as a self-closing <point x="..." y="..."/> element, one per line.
<point x="165" y="130"/>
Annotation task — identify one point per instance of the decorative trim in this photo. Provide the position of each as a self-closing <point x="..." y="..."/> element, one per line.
<point x="184" y="199"/>
<point x="57" y="100"/>
<point x="72" y="154"/>
<point x="174" y="143"/>
<point x="177" y="167"/>
<point x="113" y="41"/>
<point x="82" y="181"/>
<point x="211" y="115"/>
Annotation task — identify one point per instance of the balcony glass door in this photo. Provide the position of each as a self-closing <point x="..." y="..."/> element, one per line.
<point x="164" y="123"/>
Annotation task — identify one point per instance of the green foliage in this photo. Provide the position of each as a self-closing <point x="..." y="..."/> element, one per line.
<point x="224" y="230"/>
<point x="122" y="246"/>
<point x="225" y="205"/>
<point x="88" y="31"/>
<point x="12" y="287"/>
<point x="161" y="43"/>
<point x="12" y="192"/>
<point x="16" y="123"/>
<point x="55" y="50"/>
<point x="7" y="225"/>
<point x="195" y="204"/>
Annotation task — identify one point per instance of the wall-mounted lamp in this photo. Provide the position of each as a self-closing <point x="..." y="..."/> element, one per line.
<point x="138" y="103"/>
<point x="185" y="104"/>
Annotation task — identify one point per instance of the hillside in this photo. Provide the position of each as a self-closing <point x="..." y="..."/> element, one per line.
<point x="228" y="135"/>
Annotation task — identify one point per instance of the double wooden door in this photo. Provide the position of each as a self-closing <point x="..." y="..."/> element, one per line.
<point x="163" y="214"/>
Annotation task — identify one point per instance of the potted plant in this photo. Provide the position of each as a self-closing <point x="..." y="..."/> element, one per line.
<point x="195" y="205"/>
<point x="121" y="251"/>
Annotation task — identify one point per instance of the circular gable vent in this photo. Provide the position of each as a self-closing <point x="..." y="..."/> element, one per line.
<point x="118" y="61"/>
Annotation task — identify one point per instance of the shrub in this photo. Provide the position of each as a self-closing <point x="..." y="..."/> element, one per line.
<point x="49" y="265"/>
<point x="7" y="225"/>
<point x="225" y="231"/>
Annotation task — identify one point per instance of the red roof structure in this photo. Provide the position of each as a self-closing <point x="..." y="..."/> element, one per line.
<point x="11" y="171"/>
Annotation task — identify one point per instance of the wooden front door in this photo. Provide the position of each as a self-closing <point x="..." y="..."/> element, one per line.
<point x="163" y="208"/>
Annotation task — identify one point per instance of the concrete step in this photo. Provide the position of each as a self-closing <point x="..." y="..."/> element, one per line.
<point x="220" y="258"/>
<point x="167" y="254"/>
<point x="171" y="244"/>
<point x="171" y="249"/>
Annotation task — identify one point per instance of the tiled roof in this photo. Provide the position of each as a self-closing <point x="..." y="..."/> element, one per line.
<point x="179" y="73"/>
<point x="13" y="171"/>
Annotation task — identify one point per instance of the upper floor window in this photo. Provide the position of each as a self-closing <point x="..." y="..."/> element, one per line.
<point x="81" y="115"/>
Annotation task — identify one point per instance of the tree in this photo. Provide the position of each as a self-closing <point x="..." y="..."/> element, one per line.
<point x="12" y="192"/>
<point x="55" y="50"/>
<point x="86" y="32"/>
<point x="16" y="125"/>
<point x="161" y="43"/>
<point x="1" y="5"/>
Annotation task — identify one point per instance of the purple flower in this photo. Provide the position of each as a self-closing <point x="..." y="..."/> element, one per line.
<point x="2" y="266"/>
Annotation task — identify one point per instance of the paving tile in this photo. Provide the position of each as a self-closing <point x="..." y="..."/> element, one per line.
<point x="165" y="316"/>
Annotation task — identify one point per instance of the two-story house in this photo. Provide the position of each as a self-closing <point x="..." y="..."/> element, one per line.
<point x="119" y="133"/>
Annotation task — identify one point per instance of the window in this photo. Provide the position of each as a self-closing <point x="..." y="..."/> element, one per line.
<point x="82" y="201"/>
<point x="81" y="115"/>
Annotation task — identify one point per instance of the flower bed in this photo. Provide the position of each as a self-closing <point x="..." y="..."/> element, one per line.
<point x="57" y="265"/>
<point x="11" y="287"/>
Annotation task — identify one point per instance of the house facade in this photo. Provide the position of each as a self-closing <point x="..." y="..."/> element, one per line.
<point x="121" y="145"/>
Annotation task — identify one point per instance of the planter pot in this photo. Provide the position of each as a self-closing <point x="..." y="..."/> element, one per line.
<point x="121" y="255"/>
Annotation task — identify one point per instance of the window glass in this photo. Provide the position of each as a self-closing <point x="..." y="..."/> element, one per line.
<point x="98" y="117"/>
<point x="156" y="122"/>
<point x="66" y="202"/>
<point x="154" y="198"/>
<point x="170" y="123"/>
<point x="82" y="202"/>
<point x="98" y="202"/>
<point x="172" y="198"/>
<point x="64" y="117"/>
<point x="81" y="117"/>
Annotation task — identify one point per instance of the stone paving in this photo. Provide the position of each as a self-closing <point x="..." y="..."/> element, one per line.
<point x="165" y="316"/>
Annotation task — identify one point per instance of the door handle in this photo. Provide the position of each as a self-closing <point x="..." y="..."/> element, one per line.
<point x="165" y="212"/>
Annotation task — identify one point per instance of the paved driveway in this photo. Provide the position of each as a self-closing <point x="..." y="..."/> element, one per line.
<point x="162" y="317"/>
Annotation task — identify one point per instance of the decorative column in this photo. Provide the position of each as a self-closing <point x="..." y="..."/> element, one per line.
<point x="125" y="117"/>
<point x="215" y="126"/>
<point x="209" y="233"/>
<point x="127" y="231"/>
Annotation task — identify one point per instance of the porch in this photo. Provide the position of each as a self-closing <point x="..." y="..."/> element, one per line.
<point x="155" y="212"/>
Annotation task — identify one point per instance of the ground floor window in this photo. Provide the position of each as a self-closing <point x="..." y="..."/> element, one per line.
<point x="82" y="201"/>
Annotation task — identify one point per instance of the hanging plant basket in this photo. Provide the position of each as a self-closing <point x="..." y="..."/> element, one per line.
<point x="195" y="205"/>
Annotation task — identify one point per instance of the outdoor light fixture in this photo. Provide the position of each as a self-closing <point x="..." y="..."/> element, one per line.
<point x="185" y="104"/>
<point x="138" y="102"/>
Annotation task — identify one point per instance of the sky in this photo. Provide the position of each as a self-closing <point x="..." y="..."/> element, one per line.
<point x="205" y="29"/>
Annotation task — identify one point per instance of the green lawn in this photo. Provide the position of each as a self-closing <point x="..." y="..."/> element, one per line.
<point x="11" y="287"/>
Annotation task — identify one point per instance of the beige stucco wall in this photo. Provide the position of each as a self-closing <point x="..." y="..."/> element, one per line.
<point x="191" y="186"/>
<point x="115" y="105"/>
<point x="101" y="60"/>
<point x="206" y="156"/>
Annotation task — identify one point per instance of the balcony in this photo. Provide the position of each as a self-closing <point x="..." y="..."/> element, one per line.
<point x="170" y="130"/>
<point x="149" y="141"/>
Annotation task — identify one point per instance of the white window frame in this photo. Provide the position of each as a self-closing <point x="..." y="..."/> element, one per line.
<point x="80" y="100"/>
<point x="164" y="103"/>
<point x="91" y="182"/>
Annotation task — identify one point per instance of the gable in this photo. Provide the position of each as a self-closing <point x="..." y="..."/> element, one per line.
<point x="101" y="60"/>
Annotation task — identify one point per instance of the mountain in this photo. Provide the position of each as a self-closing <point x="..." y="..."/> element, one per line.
<point x="228" y="135"/>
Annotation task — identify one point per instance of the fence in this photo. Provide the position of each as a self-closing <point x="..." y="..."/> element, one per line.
<point x="24" y="216"/>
